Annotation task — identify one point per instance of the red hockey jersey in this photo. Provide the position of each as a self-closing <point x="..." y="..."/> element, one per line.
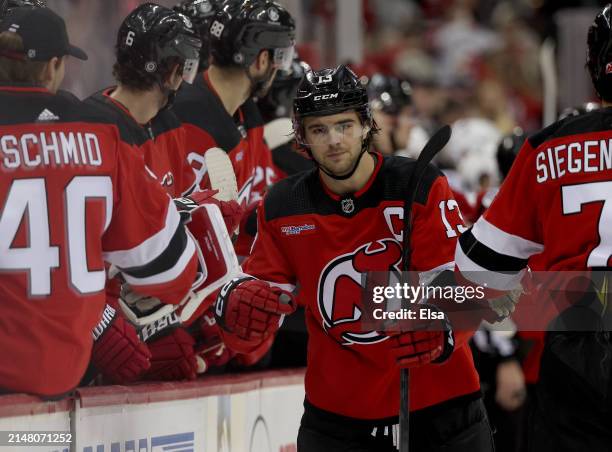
<point x="321" y="242"/>
<point x="161" y="143"/>
<point x="73" y="195"/>
<point x="555" y="203"/>
<point x="208" y="124"/>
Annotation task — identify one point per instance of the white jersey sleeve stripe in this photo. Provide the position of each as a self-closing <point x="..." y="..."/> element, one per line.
<point x="481" y="276"/>
<point x="151" y="248"/>
<point x="504" y="243"/>
<point x="171" y="273"/>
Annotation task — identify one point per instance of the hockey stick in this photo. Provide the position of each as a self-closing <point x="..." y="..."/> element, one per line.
<point x="433" y="146"/>
<point x="221" y="174"/>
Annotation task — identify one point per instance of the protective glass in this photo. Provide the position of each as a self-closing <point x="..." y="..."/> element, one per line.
<point x="322" y="135"/>
<point x="282" y="58"/>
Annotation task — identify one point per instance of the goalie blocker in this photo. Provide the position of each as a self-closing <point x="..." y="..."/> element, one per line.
<point x="218" y="264"/>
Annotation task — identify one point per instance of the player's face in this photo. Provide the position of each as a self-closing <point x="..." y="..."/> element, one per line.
<point x="335" y="141"/>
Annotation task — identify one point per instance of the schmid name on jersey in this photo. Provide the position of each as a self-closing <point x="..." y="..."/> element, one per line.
<point x="31" y="150"/>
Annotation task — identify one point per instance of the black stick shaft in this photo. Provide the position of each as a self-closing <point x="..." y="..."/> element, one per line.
<point x="433" y="146"/>
<point x="404" y="419"/>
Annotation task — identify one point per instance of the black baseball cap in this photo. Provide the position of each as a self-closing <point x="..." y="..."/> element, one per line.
<point x="43" y="33"/>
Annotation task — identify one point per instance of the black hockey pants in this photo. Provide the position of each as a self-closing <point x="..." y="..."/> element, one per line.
<point x="460" y="425"/>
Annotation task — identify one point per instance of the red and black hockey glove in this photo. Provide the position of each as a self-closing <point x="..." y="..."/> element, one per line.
<point x="172" y="350"/>
<point x="231" y="211"/>
<point x="118" y="353"/>
<point x="424" y="341"/>
<point x="251" y="310"/>
<point x="209" y="344"/>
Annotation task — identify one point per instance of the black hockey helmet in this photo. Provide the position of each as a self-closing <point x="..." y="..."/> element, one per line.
<point x="599" y="53"/>
<point x="388" y="94"/>
<point x="508" y="149"/>
<point x="279" y="100"/>
<point x="579" y="110"/>
<point x="201" y="13"/>
<point x="242" y="29"/>
<point x="153" y="38"/>
<point x="331" y="91"/>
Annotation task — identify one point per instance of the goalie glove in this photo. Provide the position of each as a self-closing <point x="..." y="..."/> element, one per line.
<point x="218" y="265"/>
<point x="425" y="342"/>
<point x="251" y="310"/>
<point x="118" y="353"/>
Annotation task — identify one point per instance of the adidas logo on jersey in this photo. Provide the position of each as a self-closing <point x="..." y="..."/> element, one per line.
<point x="47" y="115"/>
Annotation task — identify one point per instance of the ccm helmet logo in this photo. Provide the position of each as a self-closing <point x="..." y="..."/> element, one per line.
<point x="326" y="96"/>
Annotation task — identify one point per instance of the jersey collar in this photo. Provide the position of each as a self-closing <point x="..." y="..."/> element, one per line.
<point x="379" y="161"/>
<point x="107" y="95"/>
<point x="17" y="87"/>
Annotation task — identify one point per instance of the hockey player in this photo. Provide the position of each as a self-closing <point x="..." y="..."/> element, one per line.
<point x="319" y="230"/>
<point x="157" y="50"/>
<point x="554" y="204"/>
<point x="73" y="196"/>
<point x="249" y="42"/>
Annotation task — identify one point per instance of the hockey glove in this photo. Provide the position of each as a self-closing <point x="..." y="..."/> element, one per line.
<point x="209" y="343"/>
<point x="426" y="342"/>
<point x="118" y="353"/>
<point x="172" y="350"/>
<point x="251" y="310"/>
<point x="173" y="357"/>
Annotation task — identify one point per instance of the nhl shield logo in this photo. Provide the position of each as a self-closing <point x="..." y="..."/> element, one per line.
<point x="348" y="205"/>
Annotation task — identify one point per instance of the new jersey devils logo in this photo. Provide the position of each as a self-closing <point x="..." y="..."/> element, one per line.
<point x="340" y="290"/>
